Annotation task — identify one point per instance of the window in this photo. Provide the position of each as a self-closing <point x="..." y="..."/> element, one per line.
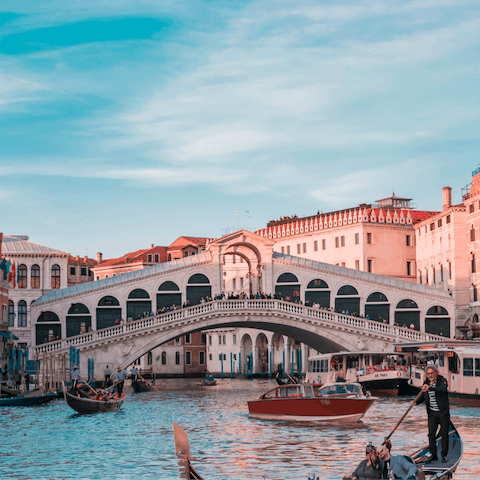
<point x="447" y="220"/>
<point x="343" y="264"/>
<point x="188" y="358"/>
<point x="35" y="276"/>
<point x="472" y="208"/>
<point x="288" y="249"/>
<point x="220" y="356"/>
<point x="357" y="264"/>
<point x="234" y="339"/>
<point x="409" y="268"/>
<point x="187" y="338"/>
<point x="475" y="294"/>
<point x="369" y="266"/>
<point x="450" y="270"/>
<point x="83" y="271"/>
<point x="343" y="241"/>
<point x="315" y="245"/>
<point x="224" y="340"/>
<point x="22" y="276"/>
<point x="357" y="238"/>
<point x="164" y="358"/>
<point x="369" y="238"/>
<point x="407" y="238"/>
<point x="432" y="226"/>
<point x="185" y="254"/>
<point x="283" y="249"/>
<point x="425" y="229"/>
<point x="472" y="235"/>
<point x="73" y="271"/>
<point x="241" y="283"/>
<point x="337" y="242"/>
<point x="324" y="244"/>
<point x="473" y="263"/>
<point x="209" y="339"/>
<point x="149" y="358"/>
<point x="11" y="314"/>
<point x="22" y="313"/>
<point x="203" y="338"/>
<point x="234" y="281"/>
<point x="55" y="276"/>
<point x="441" y="273"/>
<point x="219" y="339"/>
<point x="304" y="248"/>
<point x="224" y="356"/>
<point x="201" y="358"/>
<point x="210" y="356"/>
<point x="298" y="248"/>
<point x="177" y="358"/>
<point x="468" y="367"/>
<point x="156" y="258"/>
<point x="177" y="341"/>
<point x="477" y="367"/>
<point x="420" y="276"/>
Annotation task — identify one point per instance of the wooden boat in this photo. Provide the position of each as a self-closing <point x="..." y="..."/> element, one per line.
<point x="182" y="450"/>
<point x="333" y="401"/>
<point x="457" y="360"/>
<point x="141" y="386"/>
<point x="89" y="405"/>
<point x="27" y="400"/>
<point x="380" y="373"/>
<point x="436" y="469"/>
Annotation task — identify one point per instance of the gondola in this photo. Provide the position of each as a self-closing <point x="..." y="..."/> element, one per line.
<point x="28" y="400"/>
<point x="437" y="470"/>
<point x="89" y="405"/>
<point x="432" y="471"/>
<point x="141" y="386"/>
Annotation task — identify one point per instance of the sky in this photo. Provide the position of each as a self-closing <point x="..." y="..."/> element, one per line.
<point x="128" y="123"/>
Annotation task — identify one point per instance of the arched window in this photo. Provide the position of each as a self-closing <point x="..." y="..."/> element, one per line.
<point x="168" y="287"/>
<point x="377" y="297"/>
<point x="407" y="303"/>
<point x="22" y="276"/>
<point x="22" y="313"/>
<point x="167" y="299"/>
<point x="177" y="358"/>
<point x="138" y="293"/>
<point x="108" y="301"/>
<point x="437" y="310"/>
<point x="109" y="312"/>
<point x="48" y="317"/>
<point x="78" y="309"/>
<point x="408" y="315"/>
<point x="287" y="278"/>
<point x="11" y="314"/>
<point x="78" y="319"/>
<point x="138" y="304"/>
<point x="35" y="276"/>
<point x="347" y="290"/>
<point x="198" y="278"/>
<point x="164" y="358"/>
<point x="55" y="276"/>
<point x="317" y="293"/>
<point x="377" y="308"/>
<point x="149" y="358"/>
<point x="437" y="321"/>
<point x="317" y="283"/>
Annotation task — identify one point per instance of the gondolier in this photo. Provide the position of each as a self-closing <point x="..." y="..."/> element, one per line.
<point x="120" y="376"/>
<point x="74" y="376"/>
<point x="107" y="372"/>
<point x="435" y="396"/>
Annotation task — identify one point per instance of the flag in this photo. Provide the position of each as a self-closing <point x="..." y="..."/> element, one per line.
<point x="3" y="266"/>
<point x="12" y="277"/>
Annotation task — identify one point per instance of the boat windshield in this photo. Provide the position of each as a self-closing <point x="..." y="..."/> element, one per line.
<point x="347" y="389"/>
<point x="289" y="391"/>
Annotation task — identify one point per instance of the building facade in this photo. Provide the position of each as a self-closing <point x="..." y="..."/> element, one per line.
<point x="360" y="238"/>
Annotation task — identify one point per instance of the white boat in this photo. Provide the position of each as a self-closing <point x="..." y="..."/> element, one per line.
<point x="457" y="360"/>
<point x="380" y="373"/>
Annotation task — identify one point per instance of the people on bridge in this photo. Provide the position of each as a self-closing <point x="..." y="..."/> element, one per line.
<point x="120" y="376"/>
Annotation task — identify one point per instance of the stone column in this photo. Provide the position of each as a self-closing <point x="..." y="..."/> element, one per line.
<point x="305" y="350"/>
<point x="254" y="359"/>
<point x="287" y="352"/>
<point x="271" y="368"/>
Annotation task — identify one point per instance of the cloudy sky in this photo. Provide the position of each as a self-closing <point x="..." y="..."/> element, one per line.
<point x="125" y="123"/>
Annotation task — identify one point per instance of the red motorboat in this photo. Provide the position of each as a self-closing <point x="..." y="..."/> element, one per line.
<point x="312" y="402"/>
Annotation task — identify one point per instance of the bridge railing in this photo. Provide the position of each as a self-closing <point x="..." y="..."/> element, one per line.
<point x="238" y="306"/>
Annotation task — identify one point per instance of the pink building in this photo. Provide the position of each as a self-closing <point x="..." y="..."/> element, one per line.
<point x="376" y="238"/>
<point x="186" y="246"/>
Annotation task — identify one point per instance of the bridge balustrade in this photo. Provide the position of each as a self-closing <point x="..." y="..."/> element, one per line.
<point x="304" y="313"/>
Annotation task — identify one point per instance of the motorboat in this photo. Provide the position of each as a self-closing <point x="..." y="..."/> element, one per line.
<point x="305" y="402"/>
<point x="380" y="373"/>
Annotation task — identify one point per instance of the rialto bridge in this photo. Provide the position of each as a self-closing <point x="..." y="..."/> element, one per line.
<point x="389" y="306"/>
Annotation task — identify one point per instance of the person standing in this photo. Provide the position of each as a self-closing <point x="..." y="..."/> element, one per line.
<point x="435" y="396"/>
<point x="134" y="372"/>
<point x="74" y="376"/>
<point x="107" y="374"/>
<point x="120" y="376"/>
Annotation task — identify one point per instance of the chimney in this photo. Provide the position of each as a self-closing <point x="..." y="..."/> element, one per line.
<point x="151" y="245"/>
<point x="99" y="257"/>
<point x="447" y="198"/>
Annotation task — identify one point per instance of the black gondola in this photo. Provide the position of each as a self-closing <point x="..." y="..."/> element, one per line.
<point x="141" y="386"/>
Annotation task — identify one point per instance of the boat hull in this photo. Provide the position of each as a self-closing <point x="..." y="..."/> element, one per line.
<point x="388" y="388"/>
<point x="140" y="386"/>
<point x="310" y="409"/>
<point x="86" y="405"/>
<point x="27" y="401"/>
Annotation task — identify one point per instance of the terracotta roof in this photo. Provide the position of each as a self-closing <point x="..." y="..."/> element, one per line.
<point x="181" y="242"/>
<point x="81" y="260"/>
<point x="131" y="257"/>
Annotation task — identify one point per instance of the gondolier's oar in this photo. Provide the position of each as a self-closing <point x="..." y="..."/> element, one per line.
<point x="114" y="385"/>
<point x="403" y="417"/>
<point x="156" y="389"/>
<point x="90" y="387"/>
<point x="291" y="378"/>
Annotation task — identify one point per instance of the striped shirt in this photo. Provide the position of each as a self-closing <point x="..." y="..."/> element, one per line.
<point x="433" y="405"/>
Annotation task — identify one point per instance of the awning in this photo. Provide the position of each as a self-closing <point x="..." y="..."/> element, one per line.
<point x="8" y="335"/>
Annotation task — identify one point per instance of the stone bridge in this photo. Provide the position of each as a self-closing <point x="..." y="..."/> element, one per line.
<point x="318" y="328"/>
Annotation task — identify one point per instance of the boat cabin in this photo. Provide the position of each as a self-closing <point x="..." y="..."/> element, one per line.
<point x="310" y="391"/>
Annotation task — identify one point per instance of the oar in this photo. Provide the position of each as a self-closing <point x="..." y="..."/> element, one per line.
<point x="91" y="388"/>
<point x="156" y="389"/>
<point x="401" y="420"/>
<point x="115" y="384"/>
<point x="291" y="378"/>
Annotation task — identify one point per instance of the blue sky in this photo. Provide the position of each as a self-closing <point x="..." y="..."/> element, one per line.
<point x="126" y="123"/>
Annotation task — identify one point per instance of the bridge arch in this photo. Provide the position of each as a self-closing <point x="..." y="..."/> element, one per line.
<point x="317" y="291"/>
<point x="168" y="294"/>
<point x="377" y="306"/>
<point x="437" y="320"/>
<point x="198" y="287"/>
<point x="48" y="327"/>
<point x="78" y="319"/>
<point x="288" y="286"/>
<point x="109" y="312"/>
<point x="347" y="298"/>
<point x="407" y="313"/>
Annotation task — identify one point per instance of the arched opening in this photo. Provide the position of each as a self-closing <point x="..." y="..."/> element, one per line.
<point x="289" y="288"/>
<point x="246" y="352"/>
<point x="139" y="304"/>
<point x="278" y="351"/>
<point x="347" y="300"/>
<point x="197" y="288"/>
<point x="48" y="328"/>
<point x="317" y="292"/>
<point x="409" y="314"/>
<point x="55" y="276"/>
<point x="22" y="313"/>
<point x="78" y="319"/>
<point x="437" y="321"/>
<point x="35" y="276"/>
<point x="168" y="295"/>
<point x="22" y="276"/>
<point x="109" y="312"/>
<point x="262" y="353"/>
<point x="377" y="307"/>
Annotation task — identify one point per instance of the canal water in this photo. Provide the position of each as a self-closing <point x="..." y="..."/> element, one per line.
<point x="136" y="442"/>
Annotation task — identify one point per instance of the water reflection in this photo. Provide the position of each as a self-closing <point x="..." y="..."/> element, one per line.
<point x="136" y="442"/>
